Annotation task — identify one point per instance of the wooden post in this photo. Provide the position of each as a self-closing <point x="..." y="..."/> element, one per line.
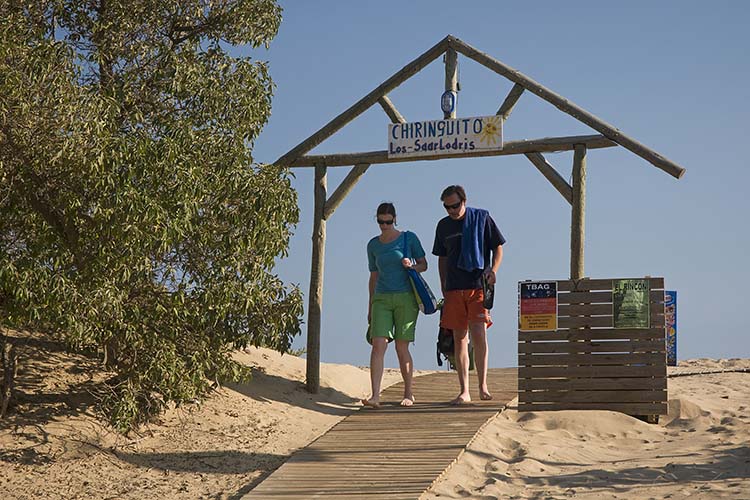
<point x="578" y="219"/>
<point x="315" y="306"/>
<point x="451" y="77"/>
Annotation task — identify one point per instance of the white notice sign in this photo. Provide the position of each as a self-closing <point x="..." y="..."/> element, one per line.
<point x="445" y="137"/>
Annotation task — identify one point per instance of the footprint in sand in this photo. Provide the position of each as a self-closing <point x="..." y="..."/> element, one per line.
<point x="719" y="429"/>
<point x="512" y="450"/>
<point x="527" y="417"/>
<point x="462" y="491"/>
<point x="532" y="467"/>
<point x="497" y="468"/>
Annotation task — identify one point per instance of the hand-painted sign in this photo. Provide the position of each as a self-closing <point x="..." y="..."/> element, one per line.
<point x="670" y="320"/>
<point x="445" y="137"/>
<point x="630" y="304"/>
<point x="537" y="305"/>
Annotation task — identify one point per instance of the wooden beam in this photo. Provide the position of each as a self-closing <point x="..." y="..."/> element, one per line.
<point x="363" y="104"/>
<point x="549" y="172"/>
<point x="578" y="212"/>
<point x="391" y="110"/>
<point x="605" y="284"/>
<point x="549" y="144"/>
<point x="358" y="171"/>
<point x="344" y="188"/>
<point x="568" y="107"/>
<point x="510" y="100"/>
<point x="451" y="78"/>
<point x="315" y="308"/>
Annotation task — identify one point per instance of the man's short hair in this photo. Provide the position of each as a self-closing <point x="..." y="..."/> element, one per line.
<point x="455" y="189"/>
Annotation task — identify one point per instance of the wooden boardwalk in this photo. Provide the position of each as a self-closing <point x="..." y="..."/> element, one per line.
<point x="392" y="452"/>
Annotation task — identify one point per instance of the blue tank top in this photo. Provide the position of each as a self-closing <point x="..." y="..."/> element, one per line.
<point x="385" y="258"/>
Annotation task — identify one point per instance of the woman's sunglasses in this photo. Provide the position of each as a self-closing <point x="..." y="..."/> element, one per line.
<point x="386" y="222"/>
<point x="452" y="207"/>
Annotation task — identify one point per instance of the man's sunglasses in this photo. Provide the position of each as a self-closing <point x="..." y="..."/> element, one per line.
<point x="386" y="222"/>
<point x="452" y="207"/>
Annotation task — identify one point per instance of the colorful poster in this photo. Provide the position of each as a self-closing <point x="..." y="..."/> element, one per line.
<point x="670" y="320"/>
<point x="537" y="305"/>
<point x="630" y="304"/>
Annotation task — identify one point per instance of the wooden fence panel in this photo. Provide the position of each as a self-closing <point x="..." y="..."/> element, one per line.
<point x="591" y="372"/>
<point x="586" y="363"/>
<point x="569" y="384"/>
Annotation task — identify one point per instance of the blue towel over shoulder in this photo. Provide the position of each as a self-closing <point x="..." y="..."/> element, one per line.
<point x="472" y="240"/>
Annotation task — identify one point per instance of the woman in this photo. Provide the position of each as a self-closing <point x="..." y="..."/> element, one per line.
<point x="392" y="312"/>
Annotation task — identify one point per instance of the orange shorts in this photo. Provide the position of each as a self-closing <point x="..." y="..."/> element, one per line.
<point x="463" y="307"/>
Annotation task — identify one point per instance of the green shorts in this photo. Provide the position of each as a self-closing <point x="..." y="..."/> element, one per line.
<point x="394" y="316"/>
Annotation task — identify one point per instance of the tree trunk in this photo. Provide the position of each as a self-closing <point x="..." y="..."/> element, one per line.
<point x="8" y="364"/>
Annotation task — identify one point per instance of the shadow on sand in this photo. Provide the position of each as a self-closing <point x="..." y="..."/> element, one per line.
<point x="210" y="462"/>
<point x="264" y="387"/>
<point x="41" y="394"/>
<point x="730" y="464"/>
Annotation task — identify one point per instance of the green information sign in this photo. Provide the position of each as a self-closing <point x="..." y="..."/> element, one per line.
<point x="630" y="305"/>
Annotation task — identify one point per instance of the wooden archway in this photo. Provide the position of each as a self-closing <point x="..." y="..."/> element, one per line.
<point x="533" y="149"/>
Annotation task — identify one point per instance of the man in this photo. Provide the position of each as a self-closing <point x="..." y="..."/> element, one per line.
<point x="464" y="241"/>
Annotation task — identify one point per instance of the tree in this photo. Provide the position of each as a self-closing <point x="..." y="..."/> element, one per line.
<point x="133" y="220"/>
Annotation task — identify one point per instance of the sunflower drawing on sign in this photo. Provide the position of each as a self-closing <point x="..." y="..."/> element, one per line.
<point x="492" y="131"/>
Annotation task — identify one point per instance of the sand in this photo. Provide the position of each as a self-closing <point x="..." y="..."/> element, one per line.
<point x="698" y="451"/>
<point x="52" y="446"/>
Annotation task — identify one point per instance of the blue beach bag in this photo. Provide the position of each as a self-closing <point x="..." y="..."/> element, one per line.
<point x="425" y="298"/>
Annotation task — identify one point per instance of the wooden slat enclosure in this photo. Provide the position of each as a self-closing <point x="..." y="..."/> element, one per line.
<point x="586" y="363"/>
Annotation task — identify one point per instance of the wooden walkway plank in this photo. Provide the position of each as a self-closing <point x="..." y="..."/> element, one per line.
<point x="393" y="452"/>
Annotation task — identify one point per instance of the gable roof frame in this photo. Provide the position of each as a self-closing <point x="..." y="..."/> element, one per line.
<point x="294" y="157"/>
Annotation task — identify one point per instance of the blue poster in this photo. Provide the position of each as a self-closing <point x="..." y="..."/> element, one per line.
<point x="670" y="320"/>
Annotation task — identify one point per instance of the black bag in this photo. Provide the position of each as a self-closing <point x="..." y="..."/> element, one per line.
<point x="444" y="346"/>
<point x="489" y="293"/>
<point x="444" y="342"/>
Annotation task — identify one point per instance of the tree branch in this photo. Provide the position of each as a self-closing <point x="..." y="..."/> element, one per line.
<point x="33" y="194"/>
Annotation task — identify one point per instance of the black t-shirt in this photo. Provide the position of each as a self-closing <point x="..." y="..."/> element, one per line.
<point x="448" y="237"/>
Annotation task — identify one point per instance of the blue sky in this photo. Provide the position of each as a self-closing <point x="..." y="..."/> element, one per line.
<point x="672" y="75"/>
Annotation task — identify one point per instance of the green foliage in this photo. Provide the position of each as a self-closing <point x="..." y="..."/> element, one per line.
<point x="132" y="217"/>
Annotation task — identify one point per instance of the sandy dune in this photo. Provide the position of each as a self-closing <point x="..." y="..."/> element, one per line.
<point x="218" y="448"/>
<point x="700" y="450"/>
<point x="53" y="447"/>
